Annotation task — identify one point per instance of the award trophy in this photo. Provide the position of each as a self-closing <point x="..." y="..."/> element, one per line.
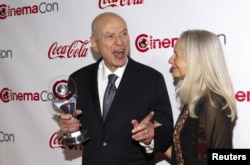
<point x="64" y="101"/>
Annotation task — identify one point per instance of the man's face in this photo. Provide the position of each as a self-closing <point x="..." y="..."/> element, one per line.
<point x="111" y="41"/>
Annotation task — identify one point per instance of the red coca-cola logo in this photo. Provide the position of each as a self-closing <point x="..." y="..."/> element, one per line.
<point x="78" y="49"/>
<point x="115" y="3"/>
<point x="57" y="142"/>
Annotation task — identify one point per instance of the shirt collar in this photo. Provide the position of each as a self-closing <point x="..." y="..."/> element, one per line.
<point x="119" y="71"/>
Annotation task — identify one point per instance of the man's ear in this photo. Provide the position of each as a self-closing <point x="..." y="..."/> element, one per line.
<point x="94" y="44"/>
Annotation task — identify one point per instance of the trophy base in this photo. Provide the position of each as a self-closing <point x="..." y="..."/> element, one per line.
<point x="75" y="138"/>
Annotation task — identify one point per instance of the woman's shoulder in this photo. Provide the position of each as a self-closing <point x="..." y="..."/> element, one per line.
<point x="212" y="108"/>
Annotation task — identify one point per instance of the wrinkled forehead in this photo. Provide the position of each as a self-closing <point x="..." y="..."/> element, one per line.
<point x="108" y="23"/>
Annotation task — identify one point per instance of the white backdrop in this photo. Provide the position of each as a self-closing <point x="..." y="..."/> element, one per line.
<point x="28" y="29"/>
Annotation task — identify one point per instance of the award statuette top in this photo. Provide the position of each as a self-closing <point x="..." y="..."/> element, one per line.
<point x="65" y="98"/>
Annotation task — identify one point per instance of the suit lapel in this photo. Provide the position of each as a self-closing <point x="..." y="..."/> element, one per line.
<point x="93" y="86"/>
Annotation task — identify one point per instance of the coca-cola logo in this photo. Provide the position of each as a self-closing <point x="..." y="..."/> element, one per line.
<point x="57" y="142"/>
<point x="115" y="3"/>
<point x="77" y="49"/>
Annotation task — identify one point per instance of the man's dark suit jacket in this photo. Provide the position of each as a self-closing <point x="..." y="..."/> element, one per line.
<point x="141" y="90"/>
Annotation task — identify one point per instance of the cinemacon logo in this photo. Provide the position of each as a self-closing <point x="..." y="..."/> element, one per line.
<point x="7" y="95"/>
<point x="145" y="42"/>
<point x="6" y="137"/>
<point x="9" y="11"/>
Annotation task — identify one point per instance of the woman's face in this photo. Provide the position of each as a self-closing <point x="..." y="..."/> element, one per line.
<point x="179" y="67"/>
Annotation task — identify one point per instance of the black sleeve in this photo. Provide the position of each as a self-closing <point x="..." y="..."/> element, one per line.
<point x="217" y="125"/>
<point x="163" y="114"/>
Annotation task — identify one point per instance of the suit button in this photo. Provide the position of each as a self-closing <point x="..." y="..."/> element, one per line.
<point x="104" y="144"/>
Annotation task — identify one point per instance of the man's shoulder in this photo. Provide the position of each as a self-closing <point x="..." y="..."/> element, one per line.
<point x="86" y="69"/>
<point x="143" y="67"/>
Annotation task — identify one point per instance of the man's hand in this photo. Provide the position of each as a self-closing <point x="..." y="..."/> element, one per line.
<point x="144" y="131"/>
<point x="69" y="124"/>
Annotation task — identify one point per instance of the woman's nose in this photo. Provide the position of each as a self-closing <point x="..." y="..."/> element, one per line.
<point x="171" y="60"/>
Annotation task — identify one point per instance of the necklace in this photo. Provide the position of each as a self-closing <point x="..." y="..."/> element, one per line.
<point x="176" y="137"/>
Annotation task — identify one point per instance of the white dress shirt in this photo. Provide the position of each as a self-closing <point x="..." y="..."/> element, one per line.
<point x="102" y="79"/>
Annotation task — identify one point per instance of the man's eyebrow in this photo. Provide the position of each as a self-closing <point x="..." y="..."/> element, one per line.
<point x="126" y="29"/>
<point x="108" y="33"/>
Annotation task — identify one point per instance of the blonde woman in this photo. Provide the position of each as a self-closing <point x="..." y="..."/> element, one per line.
<point x="206" y="95"/>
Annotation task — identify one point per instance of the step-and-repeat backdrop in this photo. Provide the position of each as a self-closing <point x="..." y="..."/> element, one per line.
<point x="42" y="39"/>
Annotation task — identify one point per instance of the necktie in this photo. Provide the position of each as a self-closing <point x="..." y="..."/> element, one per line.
<point x="109" y="94"/>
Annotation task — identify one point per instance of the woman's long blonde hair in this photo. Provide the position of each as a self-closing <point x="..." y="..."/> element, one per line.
<point x="206" y="71"/>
